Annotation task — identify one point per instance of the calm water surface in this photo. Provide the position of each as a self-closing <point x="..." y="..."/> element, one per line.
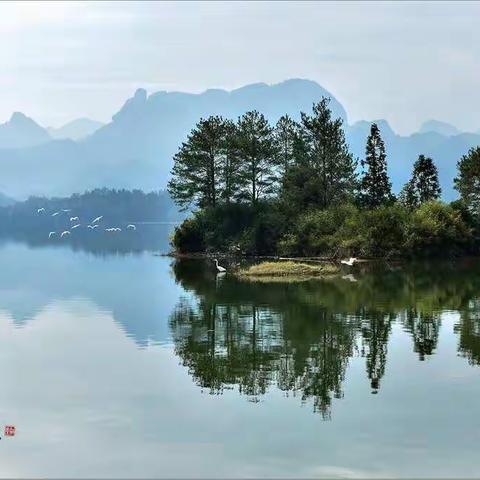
<point x="117" y="364"/>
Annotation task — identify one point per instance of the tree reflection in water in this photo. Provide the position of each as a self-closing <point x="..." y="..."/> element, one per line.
<point x="300" y="336"/>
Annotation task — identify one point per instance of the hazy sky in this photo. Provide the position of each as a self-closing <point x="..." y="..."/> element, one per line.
<point x="406" y="62"/>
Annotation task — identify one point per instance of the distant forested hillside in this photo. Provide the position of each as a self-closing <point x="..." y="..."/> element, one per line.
<point x="114" y="206"/>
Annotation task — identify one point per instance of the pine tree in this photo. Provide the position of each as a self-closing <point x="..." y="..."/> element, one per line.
<point x="467" y="182"/>
<point x="229" y="165"/>
<point x="285" y="136"/>
<point x="324" y="170"/>
<point x="425" y="179"/>
<point x="423" y="186"/>
<point x="256" y="152"/>
<point x="376" y="188"/>
<point x="408" y="196"/>
<point x="198" y="165"/>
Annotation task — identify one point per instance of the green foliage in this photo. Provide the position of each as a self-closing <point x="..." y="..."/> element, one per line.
<point x="436" y="228"/>
<point x="376" y="188"/>
<point x="389" y="230"/>
<point x="323" y="172"/>
<point x="345" y="230"/>
<point x="293" y="190"/>
<point x="198" y="165"/>
<point x="255" y="150"/>
<point x="382" y="230"/>
<point x="235" y="228"/>
<point x="316" y="231"/>
<point x="423" y="186"/>
<point x="408" y="196"/>
<point x="189" y="237"/>
<point x="286" y="136"/>
<point x="468" y="180"/>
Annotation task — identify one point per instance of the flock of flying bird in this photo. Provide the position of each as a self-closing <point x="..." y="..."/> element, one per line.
<point x="95" y="223"/>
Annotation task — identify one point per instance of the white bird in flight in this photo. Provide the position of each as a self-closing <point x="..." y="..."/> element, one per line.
<point x="66" y="232"/>
<point x="75" y="226"/>
<point x="40" y="210"/>
<point x="55" y="214"/>
<point x="72" y="219"/>
<point x="132" y="227"/>
<point x="349" y="262"/>
<point x="98" y="219"/>
<point x="93" y="227"/>
<point x="67" y="209"/>
<point x="51" y="234"/>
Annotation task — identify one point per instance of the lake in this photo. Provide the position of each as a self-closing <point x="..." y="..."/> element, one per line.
<point x="118" y="363"/>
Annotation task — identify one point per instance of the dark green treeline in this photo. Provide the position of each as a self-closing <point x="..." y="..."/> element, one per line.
<point x="295" y="189"/>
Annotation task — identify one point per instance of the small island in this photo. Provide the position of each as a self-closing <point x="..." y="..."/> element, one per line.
<point x="287" y="269"/>
<point x="295" y="190"/>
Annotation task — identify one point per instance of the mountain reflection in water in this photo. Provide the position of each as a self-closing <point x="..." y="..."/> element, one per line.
<point x="133" y="365"/>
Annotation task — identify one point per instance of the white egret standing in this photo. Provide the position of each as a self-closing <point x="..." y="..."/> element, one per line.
<point x="219" y="268"/>
<point x="349" y="262"/>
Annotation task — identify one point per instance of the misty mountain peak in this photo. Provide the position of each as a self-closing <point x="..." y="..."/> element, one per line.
<point x="140" y="95"/>
<point x="21" y="131"/>
<point x="77" y="129"/>
<point x="443" y="128"/>
<point x="19" y="118"/>
<point x="132" y="106"/>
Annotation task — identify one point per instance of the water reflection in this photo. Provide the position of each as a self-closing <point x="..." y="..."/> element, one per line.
<point x="300" y="337"/>
<point x="148" y="236"/>
<point x="136" y="289"/>
<point x="107" y="361"/>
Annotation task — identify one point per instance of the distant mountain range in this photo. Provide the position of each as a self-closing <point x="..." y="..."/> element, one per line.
<point x="75" y="130"/>
<point x="135" y="149"/>
<point x="22" y="132"/>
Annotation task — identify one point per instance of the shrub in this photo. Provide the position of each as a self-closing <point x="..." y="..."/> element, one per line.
<point x="382" y="230"/>
<point x="235" y="227"/>
<point x="436" y="228"/>
<point x="189" y="236"/>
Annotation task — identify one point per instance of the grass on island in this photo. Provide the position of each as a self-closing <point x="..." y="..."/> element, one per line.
<point x="288" y="269"/>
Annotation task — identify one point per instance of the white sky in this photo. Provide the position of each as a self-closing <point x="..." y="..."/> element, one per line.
<point x="406" y="62"/>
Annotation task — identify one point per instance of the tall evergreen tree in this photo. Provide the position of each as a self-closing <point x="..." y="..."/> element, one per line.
<point x="285" y="137"/>
<point x="467" y="181"/>
<point x="423" y="186"/>
<point x="425" y="178"/>
<point x="376" y="188"/>
<point x="229" y="165"/>
<point x="408" y="196"/>
<point x="324" y="169"/>
<point x="256" y="152"/>
<point x="198" y="165"/>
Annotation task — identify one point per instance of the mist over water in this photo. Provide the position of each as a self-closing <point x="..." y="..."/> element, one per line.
<point x="129" y="364"/>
